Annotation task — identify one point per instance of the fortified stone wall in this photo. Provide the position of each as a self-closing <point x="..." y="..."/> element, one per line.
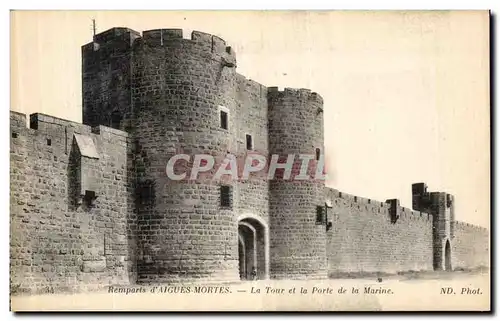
<point x="364" y="238"/>
<point x="62" y="237"/>
<point x="92" y="205"/>
<point x="470" y="246"/>
<point x="251" y="117"/>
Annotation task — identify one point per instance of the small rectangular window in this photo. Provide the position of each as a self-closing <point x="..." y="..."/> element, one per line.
<point x="320" y="215"/>
<point x="223" y="119"/>
<point x="249" y="142"/>
<point x="14" y="135"/>
<point x="49" y="142"/>
<point x="145" y="192"/>
<point x="225" y="196"/>
<point x="89" y="197"/>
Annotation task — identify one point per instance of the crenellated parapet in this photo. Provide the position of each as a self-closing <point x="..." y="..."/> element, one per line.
<point x="390" y="208"/>
<point x="110" y="42"/>
<point x="158" y="38"/>
<point x="468" y="226"/>
<point x="252" y="89"/>
<point x="114" y="34"/>
<point x="205" y="42"/>
<point x="45" y="124"/>
<point x="301" y="94"/>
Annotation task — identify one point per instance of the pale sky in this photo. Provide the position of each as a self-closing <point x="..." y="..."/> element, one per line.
<point x="406" y="93"/>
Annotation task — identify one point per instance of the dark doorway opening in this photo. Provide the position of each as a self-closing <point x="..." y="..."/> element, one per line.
<point x="252" y="249"/>
<point x="447" y="256"/>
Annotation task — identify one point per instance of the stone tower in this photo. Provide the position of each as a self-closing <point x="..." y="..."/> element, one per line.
<point x="183" y="96"/>
<point x="441" y="206"/>
<point x="166" y="91"/>
<point x="298" y="238"/>
<point x="107" y="78"/>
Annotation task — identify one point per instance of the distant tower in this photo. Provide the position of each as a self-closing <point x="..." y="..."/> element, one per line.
<point x="441" y="206"/>
<point x="298" y="240"/>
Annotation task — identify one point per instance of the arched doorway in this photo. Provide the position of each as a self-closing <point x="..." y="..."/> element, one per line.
<point x="253" y="248"/>
<point x="447" y="256"/>
<point x="241" y="255"/>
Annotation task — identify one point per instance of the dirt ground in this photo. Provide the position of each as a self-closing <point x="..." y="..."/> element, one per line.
<point x="428" y="291"/>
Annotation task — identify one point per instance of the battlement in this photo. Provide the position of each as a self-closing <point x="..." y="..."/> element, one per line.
<point x="468" y="226"/>
<point x="42" y="123"/>
<point x="298" y="93"/>
<point x="251" y="87"/>
<point x="423" y="215"/>
<point x="114" y="33"/>
<point x="374" y="206"/>
<point x="17" y="119"/>
<point x="162" y="37"/>
<point x="409" y="214"/>
<point x="169" y="37"/>
<point x="125" y="37"/>
<point x="333" y="193"/>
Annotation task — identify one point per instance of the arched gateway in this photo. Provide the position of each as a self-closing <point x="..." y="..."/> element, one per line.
<point x="253" y="247"/>
<point x="447" y="256"/>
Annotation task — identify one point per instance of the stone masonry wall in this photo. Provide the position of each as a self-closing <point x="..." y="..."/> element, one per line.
<point x="57" y="243"/>
<point x="251" y="195"/>
<point x="363" y="238"/>
<point x="178" y="86"/>
<point x="251" y="117"/>
<point x="470" y="246"/>
<point x="106" y="78"/>
<point x="167" y="93"/>
<point x="297" y="241"/>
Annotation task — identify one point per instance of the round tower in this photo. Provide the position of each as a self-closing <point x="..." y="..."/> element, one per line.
<point x="180" y="90"/>
<point x="297" y="225"/>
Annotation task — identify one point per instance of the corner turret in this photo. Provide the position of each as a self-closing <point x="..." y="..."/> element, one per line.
<point x="441" y="206"/>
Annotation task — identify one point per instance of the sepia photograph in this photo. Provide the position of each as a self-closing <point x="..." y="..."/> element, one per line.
<point x="250" y="160"/>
